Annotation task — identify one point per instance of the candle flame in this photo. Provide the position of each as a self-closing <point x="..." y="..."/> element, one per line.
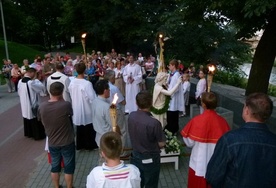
<point x="83" y="35"/>
<point x="160" y="36"/>
<point x="115" y="99"/>
<point x="211" y="68"/>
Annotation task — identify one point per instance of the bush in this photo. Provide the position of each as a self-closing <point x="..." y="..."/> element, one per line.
<point x="236" y="79"/>
<point x="271" y="90"/>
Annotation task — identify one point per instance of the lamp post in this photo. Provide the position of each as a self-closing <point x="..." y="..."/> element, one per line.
<point x="83" y="46"/>
<point x="4" y="30"/>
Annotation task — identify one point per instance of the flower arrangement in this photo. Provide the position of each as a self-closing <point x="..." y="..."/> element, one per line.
<point x="173" y="145"/>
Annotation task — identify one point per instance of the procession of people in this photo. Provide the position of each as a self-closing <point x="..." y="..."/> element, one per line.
<point x="69" y="99"/>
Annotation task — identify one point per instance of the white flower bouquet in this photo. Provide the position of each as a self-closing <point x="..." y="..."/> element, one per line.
<point x="173" y="145"/>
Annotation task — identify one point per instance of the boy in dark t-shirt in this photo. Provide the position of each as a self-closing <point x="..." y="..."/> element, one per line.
<point x="55" y="114"/>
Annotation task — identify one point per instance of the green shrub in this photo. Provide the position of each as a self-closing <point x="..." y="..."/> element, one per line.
<point x="236" y="79"/>
<point x="271" y="90"/>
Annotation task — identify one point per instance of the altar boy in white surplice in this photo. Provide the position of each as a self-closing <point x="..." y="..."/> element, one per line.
<point x="177" y="100"/>
<point x="82" y="95"/>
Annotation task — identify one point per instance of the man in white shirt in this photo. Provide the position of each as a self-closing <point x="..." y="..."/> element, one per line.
<point x="140" y="58"/>
<point x="100" y="110"/>
<point x="132" y="77"/>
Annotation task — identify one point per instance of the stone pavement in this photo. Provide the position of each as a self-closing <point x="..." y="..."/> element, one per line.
<point x="18" y="153"/>
<point x="87" y="160"/>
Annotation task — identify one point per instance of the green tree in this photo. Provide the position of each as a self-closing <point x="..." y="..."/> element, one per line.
<point x="118" y="24"/>
<point x="38" y="21"/>
<point x="248" y="16"/>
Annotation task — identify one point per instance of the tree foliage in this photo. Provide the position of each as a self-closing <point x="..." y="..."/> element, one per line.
<point x="198" y="30"/>
<point x="247" y="17"/>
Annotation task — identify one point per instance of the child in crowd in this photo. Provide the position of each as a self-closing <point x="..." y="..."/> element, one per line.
<point x="113" y="173"/>
<point x="201" y="87"/>
<point x="186" y="91"/>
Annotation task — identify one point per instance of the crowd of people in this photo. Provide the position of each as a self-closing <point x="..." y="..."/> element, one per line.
<point x="79" y="95"/>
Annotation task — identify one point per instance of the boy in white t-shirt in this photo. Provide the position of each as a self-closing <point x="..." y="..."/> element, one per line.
<point x="113" y="173"/>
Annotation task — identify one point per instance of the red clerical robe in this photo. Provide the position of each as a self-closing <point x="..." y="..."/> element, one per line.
<point x="202" y="134"/>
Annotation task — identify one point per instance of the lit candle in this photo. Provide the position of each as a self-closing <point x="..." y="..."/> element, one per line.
<point x="211" y="68"/>
<point x="211" y="72"/>
<point x="83" y="45"/>
<point x="113" y="113"/>
<point x="115" y="98"/>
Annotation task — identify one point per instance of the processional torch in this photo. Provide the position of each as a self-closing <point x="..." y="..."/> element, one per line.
<point x="161" y="64"/>
<point x="211" y="72"/>
<point x="113" y="113"/>
<point x="83" y="46"/>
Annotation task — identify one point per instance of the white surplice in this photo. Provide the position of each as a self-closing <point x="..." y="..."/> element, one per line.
<point x="132" y="89"/>
<point x="82" y="95"/>
<point x="62" y="78"/>
<point x="35" y="88"/>
<point x="200" y="156"/>
<point x="177" y="100"/>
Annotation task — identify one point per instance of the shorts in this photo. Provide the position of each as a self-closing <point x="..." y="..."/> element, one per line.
<point x="68" y="153"/>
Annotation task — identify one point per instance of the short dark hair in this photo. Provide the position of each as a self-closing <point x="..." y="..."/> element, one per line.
<point x="59" y="66"/>
<point x="210" y="100"/>
<point x="100" y="86"/>
<point x="174" y="62"/>
<point x="98" y="60"/>
<point x="31" y="69"/>
<point x="80" y="67"/>
<point x="111" y="145"/>
<point x="56" y="88"/>
<point x="260" y="106"/>
<point x="144" y="100"/>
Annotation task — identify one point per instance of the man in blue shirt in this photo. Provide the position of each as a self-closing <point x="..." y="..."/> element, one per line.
<point x="246" y="157"/>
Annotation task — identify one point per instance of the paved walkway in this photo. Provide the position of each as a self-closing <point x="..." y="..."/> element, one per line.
<point x="87" y="160"/>
<point x="25" y="162"/>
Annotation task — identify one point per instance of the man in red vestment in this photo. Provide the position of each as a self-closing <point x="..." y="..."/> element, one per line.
<point x="202" y="134"/>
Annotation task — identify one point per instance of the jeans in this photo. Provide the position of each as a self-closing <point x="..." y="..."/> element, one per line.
<point x="68" y="153"/>
<point x="149" y="167"/>
<point x="10" y="84"/>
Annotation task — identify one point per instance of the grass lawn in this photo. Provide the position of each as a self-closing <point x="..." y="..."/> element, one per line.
<point x="18" y="52"/>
